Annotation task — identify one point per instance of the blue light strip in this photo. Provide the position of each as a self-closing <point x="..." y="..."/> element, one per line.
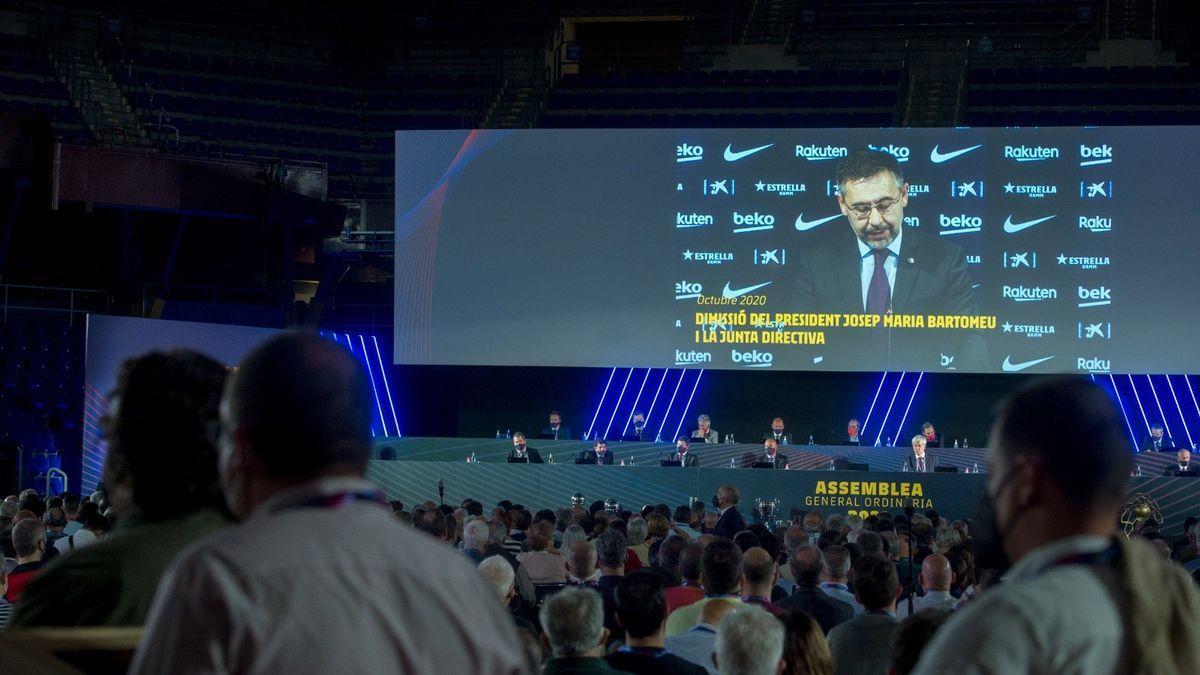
<point x="633" y="408"/>
<point x="386" y="387"/>
<point x="1179" y="408"/>
<point x="600" y="405"/>
<point x="362" y="342"/>
<point x="350" y="346"/>
<point x="1161" y="415"/>
<point x="904" y="419"/>
<point x="656" y="393"/>
<point x="862" y="429"/>
<point x="883" y="427"/>
<point x="1121" y="404"/>
<point x="689" y="403"/>
<point x="1139" y="402"/>
<point x="1188" y="381"/>
<point x="672" y="403"/>
<point x="618" y="404"/>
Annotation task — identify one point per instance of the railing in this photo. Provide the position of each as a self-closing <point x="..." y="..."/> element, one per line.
<point x="51" y="474"/>
<point x="71" y="301"/>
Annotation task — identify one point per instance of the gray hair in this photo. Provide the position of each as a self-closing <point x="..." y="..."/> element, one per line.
<point x="920" y="437"/>
<point x="945" y="538"/>
<point x="497" y="532"/>
<point x="854" y="521"/>
<point x="749" y="642"/>
<point x="636" y="530"/>
<point x="703" y="419"/>
<point x="835" y="521"/>
<point x="837" y="561"/>
<point x="571" y="535"/>
<point x="26" y="535"/>
<point x="611" y="548"/>
<point x="499" y="574"/>
<point x="573" y="619"/>
<point x="475" y="534"/>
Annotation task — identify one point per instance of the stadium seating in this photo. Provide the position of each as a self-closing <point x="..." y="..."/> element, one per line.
<point x="29" y="84"/>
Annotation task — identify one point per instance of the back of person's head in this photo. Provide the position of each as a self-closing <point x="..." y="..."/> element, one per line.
<point x="1089" y="466"/>
<point x="922" y="533"/>
<point x="807" y="563"/>
<point x="545" y="515"/>
<point x="611" y="548"/>
<point x="541" y="535"/>
<point x="962" y="564"/>
<point x="657" y="526"/>
<point x="683" y="514"/>
<point x="758" y="567"/>
<point x="691" y="562"/>
<point x="581" y="559"/>
<point x="499" y="574"/>
<point x="944" y="538"/>
<point x="573" y="620"/>
<point x="520" y="519"/>
<point x="641" y="603"/>
<point x="837" y="562"/>
<point x="302" y="405"/>
<point x="876" y="584"/>
<point x="670" y="552"/>
<point x="936" y="573"/>
<point x="164" y="400"/>
<point x="570" y="535"/>
<point x="870" y="542"/>
<point x="745" y="540"/>
<point x="475" y="535"/>
<point x="27" y="536"/>
<point x="435" y="524"/>
<point x="911" y="637"/>
<point x="55" y="517"/>
<point x="97" y="523"/>
<point x="749" y="642"/>
<point x="497" y="533"/>
<point x="721" y="567"/>
<point x="829" y="538"/>
<point x="805" y="648"/>
<point x="34" y="504"/>
<point x="71" y="501"/>
<point x="636" y="531"/>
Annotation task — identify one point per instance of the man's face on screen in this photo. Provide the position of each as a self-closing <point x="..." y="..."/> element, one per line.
<point x="879" y="226"/>
<point x="555" y="420"/>
<point x="1156" y="432"/>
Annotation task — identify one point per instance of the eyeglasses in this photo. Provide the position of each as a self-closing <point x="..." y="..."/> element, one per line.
<point x="883" y="206"/>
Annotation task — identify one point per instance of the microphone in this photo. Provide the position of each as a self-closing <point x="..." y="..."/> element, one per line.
<point x="442" y="491"/>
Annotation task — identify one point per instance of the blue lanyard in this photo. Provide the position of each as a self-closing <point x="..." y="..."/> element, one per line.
<point x="653" y="652"/>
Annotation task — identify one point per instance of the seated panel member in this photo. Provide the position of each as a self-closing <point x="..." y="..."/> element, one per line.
<point x="598" y="454"/>
<point x="682" y="454"/>
<point x="1156" y="441"/>
<point x="932" y="440"/>
<point x="852" y="437"/>
<point x="705" y="432"/>
<point x="638" y="427"/>
<point x="772" y="455"/>
<point x="778" y="432"/>
<point x="1183" y="462"/>
<point x="521" y="450"/>
<point x="557" y="430"/>
<point x="919" y="460"/>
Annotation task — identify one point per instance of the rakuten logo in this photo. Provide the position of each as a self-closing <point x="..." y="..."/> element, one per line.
<point x="1095" y="224"/>
<point x="753" y="358"/>
<point x="1028" y="293"/>
<point x="1093" y="365"/>
<point x="817" y="153"/>
<point x="692" y="358"/>
<point x="1030" y="153"/>
<point x="684" y="220"/>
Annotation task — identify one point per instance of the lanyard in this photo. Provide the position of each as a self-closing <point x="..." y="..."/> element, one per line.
<point x="1109" y="556"/>
<point x="653" y="652"/>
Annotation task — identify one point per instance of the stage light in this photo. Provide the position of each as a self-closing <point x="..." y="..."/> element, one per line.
<point x="1179" y="409"/>
<point x="689" y="403"/>
<point x="862" y="430"/>
<point x="883" y="427"/>
<point x="633" y="408"/>
<point x="618" y="403"/>
<point x="1138" y="398"/>
<point x="1161" y="415"/>
<point x="672" y="402"/>
<point x="600" y="404"/>
<point x="900" y="428"/>
<point x="374" y="390"/>
<point x="386" y="387"/>
<point x="350" y="346"/>
<point x="656" y="393"/>
<point x="1121" y="405"/>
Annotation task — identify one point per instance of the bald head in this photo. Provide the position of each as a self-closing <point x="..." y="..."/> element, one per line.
<point x="758" y="572"/>
<point x="806" y="566"/>
<point x="935" y="573"/>
<point x="715" y="610"/>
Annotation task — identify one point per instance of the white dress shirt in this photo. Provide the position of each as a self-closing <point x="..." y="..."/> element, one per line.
<point x="306" y="589"/>
<point x="1042" y="619"/>
<point x="889" y="265"/>
<point x="941" y="600"/>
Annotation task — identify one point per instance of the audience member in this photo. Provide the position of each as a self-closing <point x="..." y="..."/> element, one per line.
<point x="95" y="528"/>
<point x="1076" y="597"/>
<point x="499" y="574"/>
<point x="805" y="649"/>
<point x="318" y="545"/>
<point x="667" y="562"/>
<point x="862" y="645"/>
<point x="806" y="564"/>
<point x="690" y="588"/>
<point x="573" y="621"/>
<point x="611" y="550"/>
<point x="29" y="542"/>
<point x="71" y="504"/>
<point x="936" y="577"/>
<point x="729" y="521"/>
<point x="758" y="578"/>
<point x="911" y="638"/>
<point x="55" y="521"/>
<point x="835" y="576"/>
<point x="475" y="540"/>
<point x="519" y="521"/>
<point x="581" y="564"/>
<point x="544" y="566"/>
<point x="5" y="605"/>
<point x="497" y="533"/>
<point x="749" y="642"/>
<point x="642" y="614"/>
<point x="721" y="576"/>
<point x="636" y="531"/>
<point x="699" y="642"/>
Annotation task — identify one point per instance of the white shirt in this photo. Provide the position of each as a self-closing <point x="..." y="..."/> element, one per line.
<point x="1042" y="619"/>
<point x="931" y="600"/>
<point x="80" y="539"/>
<point x="303" y="589"/>
<point x="889" y="265"/>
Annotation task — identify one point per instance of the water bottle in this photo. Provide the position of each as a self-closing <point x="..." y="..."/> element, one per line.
<point x="965" y="443"/>
<point x="877" y="442"/>
<point x="658" y="437"/>
<point x="498" y="434"/>
<point x="904" y="467"/>
<point x="631" y="461"/>
<point x="889" y="442"/>
<point x="508" y="433"/>
<point x="1138" y="472"/>
<point x="732" y="463"/>
<point x="810" y="439"/>
<point x="976" y="468"/>
<point x="550" y="458"/>
<point x="732" y="439"/>
<point x="956" y="443"/>
<point x="832" y="466"/>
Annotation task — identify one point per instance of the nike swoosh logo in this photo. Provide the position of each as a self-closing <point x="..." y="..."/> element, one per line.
<point x="939" y="157"/>
<point x="804" y="225"/>
<point x="1012" y="228"/>
<point x="1010" y="367"/>
<point x="730" y="293"/>
<point x="731" y="156"/>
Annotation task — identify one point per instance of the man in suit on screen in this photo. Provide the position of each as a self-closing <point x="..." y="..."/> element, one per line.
<point x="920" y="461"/>
<point x="1183" y="462"/>
<point x="878" y="266"/>
<point x="1157" y="441"/>
<point x="522" y="451"/>
<point x="599" y="453"/>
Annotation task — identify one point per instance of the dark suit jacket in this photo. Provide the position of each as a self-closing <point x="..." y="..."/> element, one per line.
<point x="590" y="456"/>
<point x="1164" y="443"/>
<point x="931" y="462"/>
<point x="827" y="610"/>
<point x="786" y="440"/>
<point x="847" y="441"/>
<point x="931" y="278"/>
<point x="689" y="460"/>
<point x="781" y="460"/>
<point x="535" y="457"/>
<point x="564" y="433"/>
<point x="935" y="443"/>
<point x="644" y="664"/>
<point x="862" y="645"/>
<point x="1172" y="469"/>
<point x="729" y="524"/>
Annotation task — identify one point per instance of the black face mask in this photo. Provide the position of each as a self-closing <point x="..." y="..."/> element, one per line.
<point x="716" y="502"/>
<point x="987" y="535"/>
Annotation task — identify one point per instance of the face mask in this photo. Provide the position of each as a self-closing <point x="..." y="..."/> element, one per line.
<point x="987" y="534"/>
<point x="716" y="503"/>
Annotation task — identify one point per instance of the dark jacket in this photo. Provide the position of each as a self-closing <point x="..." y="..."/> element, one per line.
<point x="535" y="457"/>
<point x="688" y="460"/>
<point x="827" y="611"/>
<point x="729" y="524"/>
<point x="590" y="456"/>
<point x="931" y="462"/>
<point x="564" y="433"/>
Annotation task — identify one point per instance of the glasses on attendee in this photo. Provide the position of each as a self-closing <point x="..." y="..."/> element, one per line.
<point x="883" y="206"/>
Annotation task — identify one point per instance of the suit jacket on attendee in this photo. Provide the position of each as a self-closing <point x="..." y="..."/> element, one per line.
<point x="647" y="664"/>
<point x="931" y="462"/>
<point x="1174" y="468"/>
<point x="863" y="645"/>
<point x="591" y="456"/>
<point x="535" y="457"/>
<point x="931" y="278"/>
<point x="781" y="460"/>
<point x="1164" y="443"/>
<point x="828" y="611"/>
<point x="711" y="437"/>
<point x="564" y="433"/>
<point x="729" y="524"/>
<point x="690" y="459"/>
<point x="783" y="439"/>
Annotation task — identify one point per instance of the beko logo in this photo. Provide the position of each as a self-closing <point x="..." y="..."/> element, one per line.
<point x="1094" y="297"/>
<point x="1084" y="262"/>
<point x="1031" y="191"/>
<point x="753" y="358"/>
<point x="683" y="358"/>
<point x="708" y="257"/>
<point x="1093" y="365"/>
<point x="685" y="152"/>
<point x="687" y="289"/>
<point x="1095" y="223"/>
<point x="752" y="222"/>
<point x="1093" y="155"/>
<point x="1028" y="293"/>
<point x="683" y="220"/>
<point x="1029" y="330"/>
<point x="960" y="224"/>
<point x="817" y="153"/>
<point x="900" y="152"/>
<point x="1030" y="153"/>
